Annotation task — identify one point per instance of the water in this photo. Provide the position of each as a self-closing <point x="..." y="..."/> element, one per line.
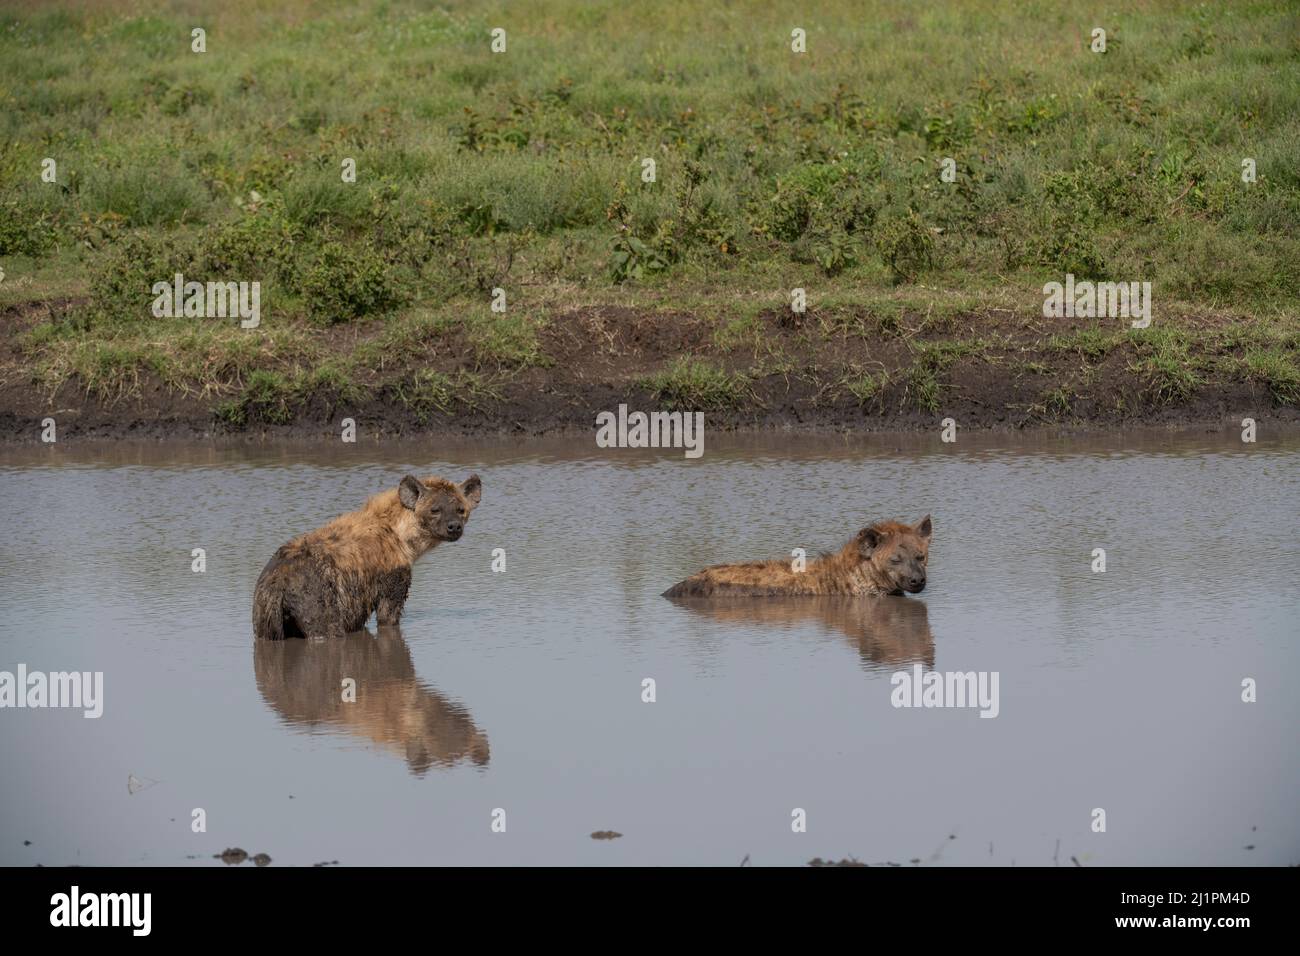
<point x="522" y="691"/>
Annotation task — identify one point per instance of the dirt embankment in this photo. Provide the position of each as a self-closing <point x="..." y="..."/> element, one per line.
<point x="846" y="371"/>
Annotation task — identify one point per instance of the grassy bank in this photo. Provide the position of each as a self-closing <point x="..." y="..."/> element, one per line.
<point x="523" y="171"/>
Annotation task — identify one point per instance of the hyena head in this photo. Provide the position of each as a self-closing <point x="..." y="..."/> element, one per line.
<point x="441" y="508"/>
<point x="897" y="553"/>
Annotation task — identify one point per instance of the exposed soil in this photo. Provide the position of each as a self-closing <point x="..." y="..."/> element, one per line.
<point x="797" y="368"/>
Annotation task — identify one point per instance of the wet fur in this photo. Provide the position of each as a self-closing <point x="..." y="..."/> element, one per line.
<point x="329" y="581"/>
<point x="862" y="567"/>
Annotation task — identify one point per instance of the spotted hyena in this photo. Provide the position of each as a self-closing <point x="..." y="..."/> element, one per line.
<point x="329" y="581"/>
<point x="888" y="557"/>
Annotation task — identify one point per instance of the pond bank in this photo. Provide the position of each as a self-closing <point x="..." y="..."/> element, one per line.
<point x="854" y="369"/>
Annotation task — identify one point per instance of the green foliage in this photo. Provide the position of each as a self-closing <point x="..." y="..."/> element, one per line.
<point x="906" y="245"/>
<point x="121" y="286"/>
<point x="691" y="384"/>
<point x="25" y="230"/>
<point x="1278" y="370"/>
<point x="345" y="282"/>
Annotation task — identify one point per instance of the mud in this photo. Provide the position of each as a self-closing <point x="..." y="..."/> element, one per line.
<point x="598" y="357"/>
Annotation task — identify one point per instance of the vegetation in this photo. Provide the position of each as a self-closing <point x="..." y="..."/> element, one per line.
<point x="526" y="171"/>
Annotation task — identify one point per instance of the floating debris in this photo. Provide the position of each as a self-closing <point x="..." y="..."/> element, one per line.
<point x="135" y="784"/>
<point x="262" y="859"/>
<point x="231" y="856"/>
<point x="605" y="835"/>
<point x="849" y="861"/>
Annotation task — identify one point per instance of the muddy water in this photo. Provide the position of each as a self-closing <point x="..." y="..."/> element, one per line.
<point x="522" y="691"/>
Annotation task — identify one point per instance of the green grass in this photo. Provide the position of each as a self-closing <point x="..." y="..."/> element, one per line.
<point x="1277" y="370"/>
<point x="268" y="396"/>
<point x="824" y="165"/>
<point x="1058" y="401"/>
<point x="275" y="397"/>
<point x="106" y="369"/>
<point x="507" y="339"/>
<point x="923" y="380"/>
<point x="922" y="387"/>
<point x="867" y="386"/>
<point x="522" y="171"/>
<point x="429" y="391"/>
<point x="940" y="356"/>
<point x="1092" y="344"/>
<point x="426" y="392"/>
<point x="738" y="331"/>
<point x="692" y="384"/>
<point x="1165" y="359"/>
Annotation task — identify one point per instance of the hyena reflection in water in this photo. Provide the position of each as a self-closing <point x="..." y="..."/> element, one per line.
<point x="303" y="683"/>
<point x="885" y="631"/>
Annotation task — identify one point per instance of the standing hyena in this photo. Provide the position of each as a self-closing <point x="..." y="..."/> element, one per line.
<point x="887" y="557"/>
<point x="329" y="581"/>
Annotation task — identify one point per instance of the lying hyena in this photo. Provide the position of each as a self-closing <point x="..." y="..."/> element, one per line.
<point x="329" y="581"/>
<point x="887" y="557"/>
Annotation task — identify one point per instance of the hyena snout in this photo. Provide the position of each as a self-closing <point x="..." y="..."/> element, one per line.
<point x="910" y="576"/>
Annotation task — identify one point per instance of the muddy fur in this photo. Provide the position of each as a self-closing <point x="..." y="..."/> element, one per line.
<point x="887" y="557"/>
<point x="303" y="680"/>
<point x="328" y="582"/>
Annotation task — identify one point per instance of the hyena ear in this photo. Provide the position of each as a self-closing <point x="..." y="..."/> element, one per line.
<point x="868" y="540"/>
<point x="924" y="527"/>
<point x="409" y="491"/>
<point x="472" y="489"/>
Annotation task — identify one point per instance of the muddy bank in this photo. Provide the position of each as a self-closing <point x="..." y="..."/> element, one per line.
<point x="846" y="370"/>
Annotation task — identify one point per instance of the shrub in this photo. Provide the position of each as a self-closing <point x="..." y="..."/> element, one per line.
<point x="121" y="284"/>
<point x="906" y="246"/>
<point x="25" y="231"/>
<point x="347" y="282"/>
